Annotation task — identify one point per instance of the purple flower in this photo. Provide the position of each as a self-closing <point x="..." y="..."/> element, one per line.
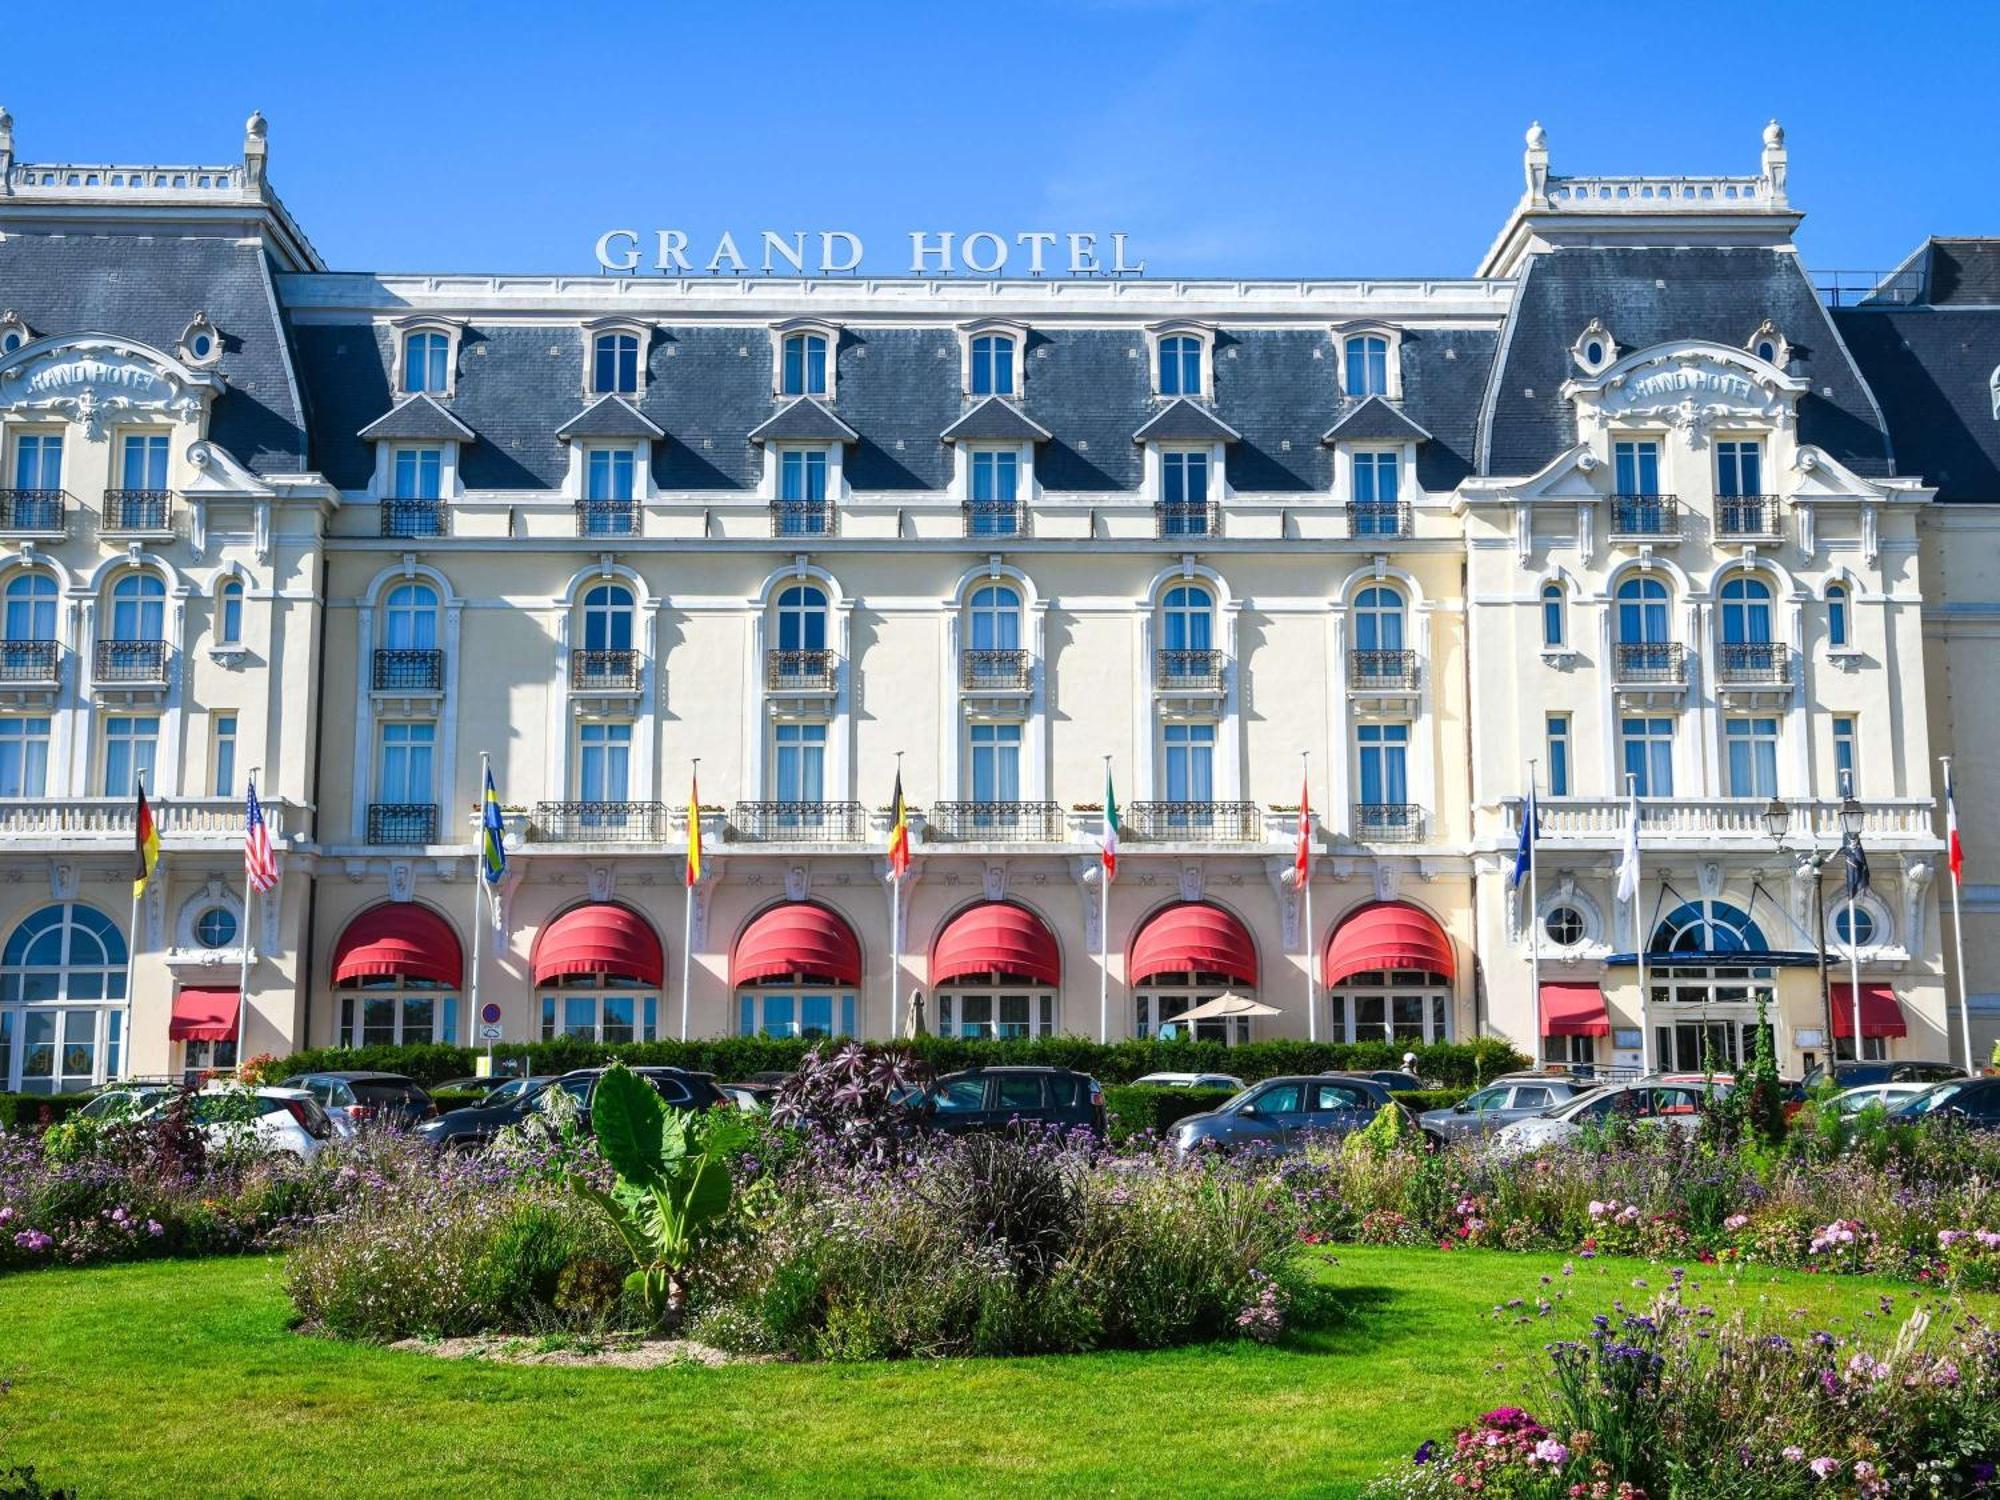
<point x="1426" y="1450"/>
<point x="1825" y="1468"/>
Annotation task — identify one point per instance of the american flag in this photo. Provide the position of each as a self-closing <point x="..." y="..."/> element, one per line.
<point x="260" y="865"/>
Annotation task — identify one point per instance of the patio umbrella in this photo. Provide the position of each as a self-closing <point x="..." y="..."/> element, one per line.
<point x="1225" y="1006"/>
<point x="913" y="1027"/>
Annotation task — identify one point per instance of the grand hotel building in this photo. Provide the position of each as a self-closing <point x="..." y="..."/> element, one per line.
<point x="1634" y="503"/>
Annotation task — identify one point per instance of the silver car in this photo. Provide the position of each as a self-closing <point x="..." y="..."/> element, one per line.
<point x="1499" y="1104"/>
<point x="1281" y="1115"/>
<point x="1678" y="1106"/>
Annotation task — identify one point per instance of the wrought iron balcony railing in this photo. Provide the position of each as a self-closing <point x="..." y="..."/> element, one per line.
<point x="996" y="518"/>
<point x="1178" y="671"/>
<point x="1646" y="517"/>
<point x="804" y="518"/>
<point x="1379" y="518"/>
<point x="601" y="822"/>
<point x="595" y="670"/>
<point x="997" y="822"/>
<point x="1388" y="822"/>
<point x="138" y="510"/>
<point x="1753" y="664"/>
<point x="1663" y="662"/>
<point x="1188" y="518"/>
<point x="798" y="822"/>
<point x="813" y="671"/>
<point x="413" y="519"/>
<point x="994" y="671"/>
<point x="1749" y="517"/>
<point x="130" y="661"/>
<point x="1198" y="822"/>
<point x="34" y="512"/>
<point x="1383" y="671"/>
<point x="607" y="518"/>
<point x="30" y="663"/>
<point x="408" y="669"/>
<point x="402" y="822"/>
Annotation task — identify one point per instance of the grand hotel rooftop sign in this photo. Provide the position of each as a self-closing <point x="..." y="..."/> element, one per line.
<point x="838" y="252"/>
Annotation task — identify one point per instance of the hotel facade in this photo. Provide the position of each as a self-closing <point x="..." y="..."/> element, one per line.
<point x="1637" y="509"/>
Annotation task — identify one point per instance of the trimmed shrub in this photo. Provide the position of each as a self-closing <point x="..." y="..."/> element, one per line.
<point x="1419" y="1100"/>
<point x="1132" y="1108"/>
<point x="449" y="1099"/>
<point x="38" y="1111"/>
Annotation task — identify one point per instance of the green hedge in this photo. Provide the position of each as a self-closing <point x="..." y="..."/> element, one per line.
<point x="1457" y="1064"/>
<point x="33" y="1111"/>
<point x="1131" y="1108"/>
<point x="446" y="1099"/>
<point x="1420" y="1100"/>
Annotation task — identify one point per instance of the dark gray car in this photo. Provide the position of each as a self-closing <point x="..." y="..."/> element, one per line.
<point x="1280" y="1115"/>
<point x="1499" y="1103"/>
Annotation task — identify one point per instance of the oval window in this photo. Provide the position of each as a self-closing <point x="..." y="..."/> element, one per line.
<point x="1593" y="353"/>
<point x="215" y="928"/>
<point x="201" y="346"/>
<point x="1768" y="353"/>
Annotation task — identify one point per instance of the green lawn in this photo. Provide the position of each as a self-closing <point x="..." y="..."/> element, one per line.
<point x="181" y="1379"/>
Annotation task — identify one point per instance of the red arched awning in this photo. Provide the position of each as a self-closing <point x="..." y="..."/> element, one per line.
<point x="996" y="938"/>
<point x="600" y="939"/>
<point x="400" y="940"/>
<point x="1881" y="1011"/>
<point x="1573" y="1010"/>
<point x="1387" y="935"/>
<point x="1194" y="939"/>
<point x="797" y="941"/>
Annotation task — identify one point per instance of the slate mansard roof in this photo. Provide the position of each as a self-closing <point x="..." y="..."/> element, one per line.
<point x="1646" y="296"/>
<point x="149" y="288"/>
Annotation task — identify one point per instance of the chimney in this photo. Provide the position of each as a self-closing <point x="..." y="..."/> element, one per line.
<point x="255" y="149"/>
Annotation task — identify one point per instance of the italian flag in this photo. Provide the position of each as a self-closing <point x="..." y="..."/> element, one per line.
<point x="1110" y="826"/>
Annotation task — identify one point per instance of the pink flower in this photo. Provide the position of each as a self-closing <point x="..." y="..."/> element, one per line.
<point x="1549" y="1451"/>
<point x="1793" y="1452"/>
<point x="1735" y="1222"/>
<point x="1825" y="1468"/>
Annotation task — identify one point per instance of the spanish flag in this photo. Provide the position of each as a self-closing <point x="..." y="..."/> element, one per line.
<point x="147" y="844"/>
<point x="694" y="831"/>
<point x="899" y="833"/>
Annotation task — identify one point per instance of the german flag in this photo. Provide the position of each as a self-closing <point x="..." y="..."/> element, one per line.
<point x="146" y="835"/>
<point x="899" y="833"/>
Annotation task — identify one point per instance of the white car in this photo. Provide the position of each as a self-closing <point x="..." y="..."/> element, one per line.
<point x="1676" y="1104"/>
<point x="1193" y="1081"/>
<point x="1888" y="1095"/>
<point x="273" y="1121"/>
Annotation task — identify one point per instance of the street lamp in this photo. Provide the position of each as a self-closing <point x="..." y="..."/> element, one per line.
<point x="1777" y="823"/>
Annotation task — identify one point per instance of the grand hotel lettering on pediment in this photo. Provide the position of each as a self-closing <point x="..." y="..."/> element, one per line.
<point x="1691" y="388"/>
<point x="94" y="380"/>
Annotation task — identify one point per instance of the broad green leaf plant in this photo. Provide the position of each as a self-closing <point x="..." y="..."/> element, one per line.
<point x="671" y="1180"/>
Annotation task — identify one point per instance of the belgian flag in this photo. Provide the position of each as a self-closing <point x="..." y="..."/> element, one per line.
<point x="146" y="837"/>
<point x="899" y="833"/>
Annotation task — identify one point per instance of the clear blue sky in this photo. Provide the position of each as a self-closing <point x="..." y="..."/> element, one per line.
<point x="1261" y="137"/>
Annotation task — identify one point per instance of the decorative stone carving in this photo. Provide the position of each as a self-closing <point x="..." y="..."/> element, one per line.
<point x="996" y="880"/>
<point x="797" y="883"/>
<point x="602" y="882"/>
<point x="1191" y="881"/>
<point x="402" y="880"/>
<point x="1917" y="877"/>
<point x="64" y="879"/>
<point x="1088" y="873"/>
<point x="94" y="380"/>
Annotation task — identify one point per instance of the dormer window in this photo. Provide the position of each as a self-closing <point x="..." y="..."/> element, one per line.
<point x="1367" y="359"/>
<point x="615" y="364"/>
<point x="417" y="474"/>
<point x="13" y="332"/>
<point x="1769" y="345"/>
<point x="992" y="364"/>
<point x="201" y="342"/>
<point x="426" y="362"/>
<point x="1180" y="365"/>
<point x="802" y="366"/>
<point x="1595" y="350"/>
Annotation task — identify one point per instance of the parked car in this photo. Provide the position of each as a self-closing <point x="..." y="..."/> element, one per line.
<point x="474" y="1125"/>
<point x="1970" y="1102"/>
<point x="1675" y="1104"/>
<point x="1499" y="1104"/>
<point x="473" y="1085"/>
<point x="286" y="1121"/>
<point x="1888" y="1095"/>
<point x="1901" y="1070"/>
<point x="996" y="1098"/>
<point x="1192" y="1081"/>
<point x="123" y="1099"/>
<point x="746" y="1097"/>
<point x="370" y="1096"/>
<point x="1282" y="1114"/>
<point x="1389" y="1078"/>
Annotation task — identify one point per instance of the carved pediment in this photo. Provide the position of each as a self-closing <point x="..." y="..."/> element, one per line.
<point x="1689" y="387"/>
<point x="92" y="378"/>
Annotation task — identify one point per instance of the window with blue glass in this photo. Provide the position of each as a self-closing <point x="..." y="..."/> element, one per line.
<point x="1554" y="609"/>
<point x="1187" y="618"/>
<point x="1836" y="615"/>
<point x="1180" y="365"/>
<point x="615" y="364"/>
<point x="996" y="762"/>
<point x="1642" y="612"/>
<point x="607" y="618"/>
<point x="802" y="618"/>
<point x="1746" y="612"/>
<point x="222" y="754"/>
<point x="799" y="762"/>
<point x="410" y="618"/>
<point x="229" y="613"/>
<point x="609" y="474"/>
<point x="138" y="608"/>
<point x="1708" y="927"/>
<point x="142" y="461"/>
<point x="1375" y="478"/>
<point x="31" y="607"/>
<point x="1189" y="762"/>
<point x="1558" y="741"/>
<point x="993" y="618"/>
<point x="1368" y="365"/>
<point x="1383" y="751"/>
<point x="1648" y="746"/>
<point x="1184" y="478"/>
<point x="795" y="1012"/>
<point x="425" y="357"/>
<point x="604" y="762"/>
<point x="993" y="365"/>
<point x="417" y="474"/>
<point x="802" y="475"/>
<point x="995" y="475"/>
<point x="1844" y="741"/>
<point x="1636" y="466"/>
<point x="1739" y="469"/>
<point x="1378" y="619"/>
<point x="38" y="461"/>
<point x="1752" y="751"/>
<point x="803" y="364"/>
<point x="131" y="748"/>
<point x="24" y="758"/>
<point x="405" y="765"/>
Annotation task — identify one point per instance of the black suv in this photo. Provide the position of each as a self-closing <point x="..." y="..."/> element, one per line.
<point x="477" y="1124"/>
<point x="997" y="1098"/>
<point x="1973" y="1103"/>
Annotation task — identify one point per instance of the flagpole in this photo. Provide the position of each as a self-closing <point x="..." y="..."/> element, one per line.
<point x="1957" y="922"/>
<point x="243" y="973"/>
<point x="895" y="909"/>
<point x="479" y="915"/>
<point x="1640" y="936"/>
<point x="132" y="952"/>
<point x="1104" y="924"/>
<point x="1535" y="921"/>
<point x="687" y="906"/>
<point x="1305" y="880"/>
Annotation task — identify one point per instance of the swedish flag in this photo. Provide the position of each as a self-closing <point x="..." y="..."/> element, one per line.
<point x="492" y="831"/>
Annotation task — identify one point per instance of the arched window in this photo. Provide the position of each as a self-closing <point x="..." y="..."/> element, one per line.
<point x="802" y="618"/>
<point x="993" y="365"/>
<point x="615" y="364"/>
<point x="1708" y="927"/>
<point x="1642" y="612"/>
<point x="994" y="619"/>
<point x="1554" y="630"/>
<point x="410" y="618"/>
<point x="1836" y="615"/>
<point x="62" y="992"/>
<point x="1188" y="619"/>
<point x="425" y="356"/>
<point x="1746" y="612"/>
<point x="138" y="608"/>
<point x="803" y="369"/>
<point x="31" y="607"/>
<point x="1378" y="619"/>
<point x="1180" y="365"/>
<point x="607" y="617"/>
<point x="229" y="613"/>
<point x="1368" y="365"/>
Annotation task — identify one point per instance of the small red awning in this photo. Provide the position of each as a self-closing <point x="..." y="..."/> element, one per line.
<point x="1387" y="935"/>
<point x="797" y="941"/>
<point x="1574" y="1010"/>
<point x="600" y="939"/>
<point x="1881" y="1011"/>
<point x="1194" y="939"/>
<point x="399" y="940"/>
<point x="203" y="1016"/>
<point x="996" y="938"/>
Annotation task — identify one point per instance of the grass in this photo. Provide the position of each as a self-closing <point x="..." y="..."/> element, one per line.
<point x="181" y="1378"/>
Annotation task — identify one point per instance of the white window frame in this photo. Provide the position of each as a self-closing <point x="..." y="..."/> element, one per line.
<point x="385" y="468"/>
<point x="453" y="330"/>
<point x="612" y="327"/>
<point x="1204" y="335"/>
<point x="1015" y="333"/>
<point x="352" y="1012"/>
<point x="1344" y="1021"/>
<point x="782" y="331"/>
<point x="836" y="479"/>
<point x="1392" y="358"/>
<point x="1025" y="489"/>
<point x="955" y="996"/>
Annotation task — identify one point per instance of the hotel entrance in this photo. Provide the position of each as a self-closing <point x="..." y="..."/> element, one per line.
<point x="1709" y="1015"/>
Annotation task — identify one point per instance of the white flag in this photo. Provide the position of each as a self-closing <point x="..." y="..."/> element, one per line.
<point x="1628" y="862"/>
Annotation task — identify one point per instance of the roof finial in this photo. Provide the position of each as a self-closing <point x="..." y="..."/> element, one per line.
<point x="255" y="149"/>
<point x="1776" y="163"/>
<point x="6" y="152"/>
<point x="1535" y="164"/>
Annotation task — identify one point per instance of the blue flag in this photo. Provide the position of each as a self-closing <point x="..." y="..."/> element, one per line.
<point x="492" y="835"/>
<point x="1857" y="867"/>
<point x="1531" y="829"/>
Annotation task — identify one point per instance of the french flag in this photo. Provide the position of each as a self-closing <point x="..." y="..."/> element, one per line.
<point x="1955" y="847"/>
